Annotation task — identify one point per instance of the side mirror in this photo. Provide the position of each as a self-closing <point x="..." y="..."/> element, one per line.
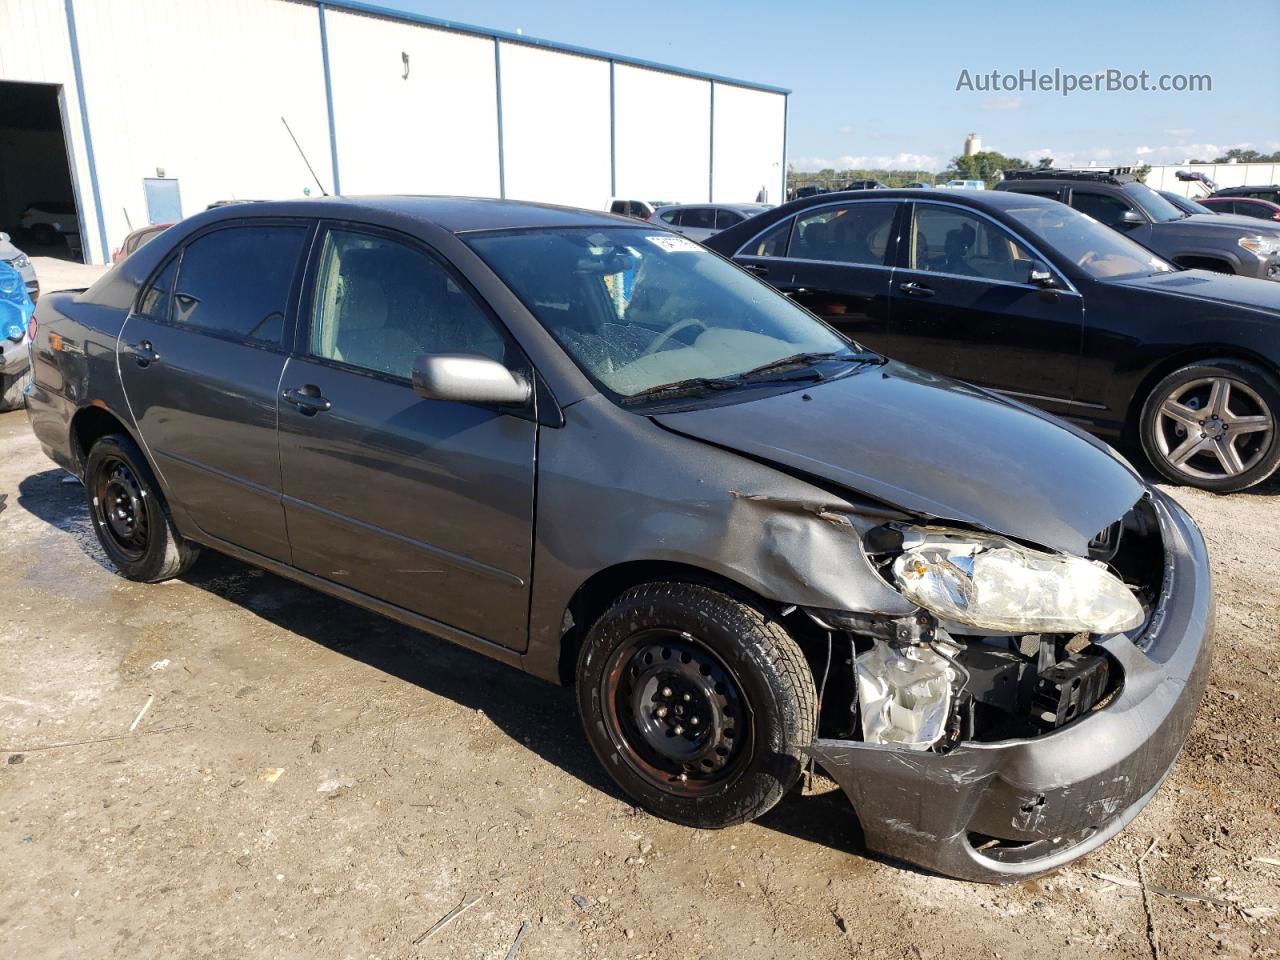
<point x="1040" y="275"/>
<point x="1131" y="218"/>
<point x="468" y="379"/>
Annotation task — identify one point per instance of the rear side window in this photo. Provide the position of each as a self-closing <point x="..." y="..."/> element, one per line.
<point x="1259" y="210"/>
<point x="236" y="281"/>
<point x="727" y="218"/>
<point x="670" y="216"/>
<point x="701" y="218"/>
<point x="857" y="233"/>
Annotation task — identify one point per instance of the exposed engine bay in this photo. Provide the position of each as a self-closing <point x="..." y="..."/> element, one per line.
<point x="959" y="669"/>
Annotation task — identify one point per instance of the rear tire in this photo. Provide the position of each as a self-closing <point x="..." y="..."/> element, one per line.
<point x="129" y="516"/>
<point x="699" y="705"/>
<point x="1214" y="424"/>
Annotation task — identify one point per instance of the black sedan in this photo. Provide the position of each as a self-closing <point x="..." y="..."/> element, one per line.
<point x="1026" y="296"/>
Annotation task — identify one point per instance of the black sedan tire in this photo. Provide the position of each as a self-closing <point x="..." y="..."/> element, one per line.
<point x="699" y="705"/>
<point x="1214" y="425"/>
<point x="129" y="516"/>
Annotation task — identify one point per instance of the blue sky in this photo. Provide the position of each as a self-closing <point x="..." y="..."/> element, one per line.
<point x="874" y="84"/>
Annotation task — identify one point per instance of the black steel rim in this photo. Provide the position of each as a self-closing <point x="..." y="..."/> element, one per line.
<point x="676" y="713"/>
<point x="120" y="508"/>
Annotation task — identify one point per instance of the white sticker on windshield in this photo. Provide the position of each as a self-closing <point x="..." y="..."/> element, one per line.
<point x="673" y="243"/>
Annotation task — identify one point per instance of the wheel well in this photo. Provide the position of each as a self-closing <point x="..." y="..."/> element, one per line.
<point x="1202" y="354"/>
<point x="1216" y="264"/>
<point x="598" y="592"/>
<point x="87" y="426"/>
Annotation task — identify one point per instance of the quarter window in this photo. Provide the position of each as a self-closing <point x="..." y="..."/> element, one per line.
<point x="948" y="240"/>
<point x="236" y="281"/>
<point x="857" y="233"/>
<point x="154" y="302"/>
<point x="380" y="304"/>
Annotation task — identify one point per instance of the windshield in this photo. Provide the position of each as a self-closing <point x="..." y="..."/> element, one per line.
<point x="1157" y="207"/>
<point x="1099" y="251"/>
<point x="638" y="309"/>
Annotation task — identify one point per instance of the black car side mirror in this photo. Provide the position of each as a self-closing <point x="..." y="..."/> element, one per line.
<point x="1131" y="218"/>
<point x="1040" y="275"/>
<point x="468" y="379"/>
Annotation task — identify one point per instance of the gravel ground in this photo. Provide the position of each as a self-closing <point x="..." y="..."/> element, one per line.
<point x="233" y="765"/>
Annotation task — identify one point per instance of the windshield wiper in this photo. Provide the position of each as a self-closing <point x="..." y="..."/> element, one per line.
<point x="682" y="388"/>
<point x="805" y="359"/>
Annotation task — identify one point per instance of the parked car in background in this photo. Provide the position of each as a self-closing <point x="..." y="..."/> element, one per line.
<point x="965" y="185"/>
<point x="1185" y="204"/>
<point x="698" y="221"/>
<point x="811" y="190"/>
<point x="597" y="451"/>
<point x="1120" y="201"/>
<point x="47" y="221"/>
<point x="139" y="238"/>
<point x="1269" y="192"/>
<point x="868" y="183"/>
<point x="1244" y="207"/>
<point x="16" y="309"/>
<point x="639" y="209"/>
<point x="919" y="185"/>
<point x="22" y="263"/>
<point x="1029" y="297"/>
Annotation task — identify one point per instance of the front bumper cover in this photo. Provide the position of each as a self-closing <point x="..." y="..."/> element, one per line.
<point x="1006" y="811"/>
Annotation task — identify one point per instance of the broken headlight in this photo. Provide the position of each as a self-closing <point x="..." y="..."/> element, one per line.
<point x="989" y="582"/>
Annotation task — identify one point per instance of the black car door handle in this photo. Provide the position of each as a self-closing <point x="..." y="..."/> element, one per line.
<point x="757" y="269"/>
<point x="307" y="399"/>
<point x="913" y="289"/>
<point x="144" y="354"/>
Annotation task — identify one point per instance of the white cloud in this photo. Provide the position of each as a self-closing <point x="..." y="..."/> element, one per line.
<point x="1180" y="132"/>
<point x="1143" y="151"/>
<point x="1002" y="103"/>
<point x="896" y="161"/>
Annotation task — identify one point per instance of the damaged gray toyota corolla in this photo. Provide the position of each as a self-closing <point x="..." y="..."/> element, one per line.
<point x="599" y="452"/>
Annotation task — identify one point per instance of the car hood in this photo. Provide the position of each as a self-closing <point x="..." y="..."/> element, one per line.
<point x="934" y="447"/>
<point x="1195" y="224"/>
<point x="1208" y="285"/>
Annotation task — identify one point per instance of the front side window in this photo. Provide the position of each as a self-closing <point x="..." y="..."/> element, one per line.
<point x="1259" y="210"/>
<point x="727" y="218"/>
<point x="1103" y="207"/>
<point x="1099" y="251"/>
<point x="1155" y="206"/>
<point x="380" y="303"/>
<point x="772" y="243"/>
<point x="637" y="309"/>
<point x="856" y="233"/>
<point x="950" y="240"/>
<point x="236" y="281"/>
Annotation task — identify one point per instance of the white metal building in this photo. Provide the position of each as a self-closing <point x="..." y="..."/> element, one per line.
<point x="1165" y="176"/>
<point x="164" y="106"/>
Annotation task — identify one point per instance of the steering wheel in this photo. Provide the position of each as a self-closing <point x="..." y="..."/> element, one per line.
<point x="1089" y="257"/>
<point x="661" y="339"/>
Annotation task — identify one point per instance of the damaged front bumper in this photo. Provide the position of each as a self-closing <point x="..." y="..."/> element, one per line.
<point x="1005" y="811"/>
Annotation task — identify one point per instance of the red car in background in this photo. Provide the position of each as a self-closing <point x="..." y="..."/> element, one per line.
<point x="1245" y="206"/>
<point x="139" y="237"/>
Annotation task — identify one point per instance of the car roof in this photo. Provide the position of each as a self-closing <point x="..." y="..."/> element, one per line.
<point x="974" y="198"/>
<point x="454" y="214"/>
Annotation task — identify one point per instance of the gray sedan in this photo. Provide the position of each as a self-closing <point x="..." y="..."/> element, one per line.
<point x="698" y="221"/>
<point x="601" y="453"/>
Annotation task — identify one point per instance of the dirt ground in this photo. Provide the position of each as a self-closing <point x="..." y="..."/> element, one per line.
<point x="231" y="765"/>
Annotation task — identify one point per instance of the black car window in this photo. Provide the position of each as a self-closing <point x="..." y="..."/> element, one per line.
<point x="950" y="240"/>
<point x="700" y="218"/>
<point x="770" y="244"/>
<point x="237" y="280"/>
<point x="670" y="216"/>
<point x="380" y="303"/>
<point x="620" y="206"/>
<point x="154" y="302"/>
<point x="1218" y="205"/>
<point x="1253" y="209"/>
<point x="727" y="218"/>
<point x="1104" y="208"/>
<point x="855" y="233"/>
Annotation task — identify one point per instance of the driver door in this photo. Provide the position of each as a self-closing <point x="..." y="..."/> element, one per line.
<point x="962" y="306"/>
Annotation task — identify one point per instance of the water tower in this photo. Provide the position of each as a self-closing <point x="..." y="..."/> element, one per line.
<point x="972" y="145"/>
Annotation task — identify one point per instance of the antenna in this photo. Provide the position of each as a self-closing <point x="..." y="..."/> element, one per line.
<point x="323" y="191"/>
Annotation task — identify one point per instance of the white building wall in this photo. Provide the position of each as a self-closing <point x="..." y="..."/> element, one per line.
<point x="662" y="135"/>
<point x="555" y="126"/>
<point x="198" y="90"/>
<point x="35" y="48"/>
<point x="1164" y="176"/>
<point x="748" y="144"/>
<point x="434" y="131"/>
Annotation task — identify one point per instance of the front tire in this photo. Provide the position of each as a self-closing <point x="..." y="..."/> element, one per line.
<point x="129" y="516"/>
<point x="1214" y="425"/>
<point x="699" y="705"/>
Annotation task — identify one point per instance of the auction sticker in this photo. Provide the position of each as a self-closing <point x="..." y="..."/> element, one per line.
<point x="673" y="243"/>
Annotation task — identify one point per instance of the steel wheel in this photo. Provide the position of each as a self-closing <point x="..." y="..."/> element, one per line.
<point x="1213" y="428"/>
<point x="675" y="713"/>
<point x="118" y="501"/>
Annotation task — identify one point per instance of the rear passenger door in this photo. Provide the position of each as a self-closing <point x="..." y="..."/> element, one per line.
<point x="424" y="504"/>
<point x="200" y="360"/>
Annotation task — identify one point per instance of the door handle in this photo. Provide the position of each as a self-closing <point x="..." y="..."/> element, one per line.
<point x="913" y="289"/>
<point x="144" y="354"/>
<point x="758" y="269"/>
<point x="307" y="399"/>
